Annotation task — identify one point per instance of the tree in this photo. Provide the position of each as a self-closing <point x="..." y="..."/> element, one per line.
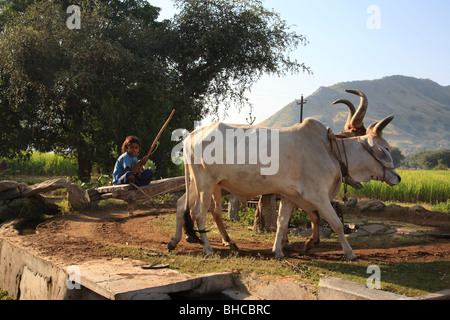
<point x="81" y="92"/>
<point x="221" y="47"/>
<point x="74" y="78"/>
<point x="397" y="156"/>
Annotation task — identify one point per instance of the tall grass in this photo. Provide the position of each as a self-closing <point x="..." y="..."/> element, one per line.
<point x="430" y="186"/>
<point x="42" y="164"/>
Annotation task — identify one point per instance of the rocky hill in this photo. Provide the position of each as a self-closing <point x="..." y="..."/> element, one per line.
<point x="421" y="108"/>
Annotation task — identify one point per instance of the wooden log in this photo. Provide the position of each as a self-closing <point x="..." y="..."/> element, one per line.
<point x="110" y="189"/>
<point x="45" y="187"/>
<point x="156" y="188"/>
<point x="130" y="194"/>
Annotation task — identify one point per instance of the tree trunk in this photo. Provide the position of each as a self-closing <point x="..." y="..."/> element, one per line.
<point x="266" y="214"/>
<point x="234" y="205"/>
<point x="84" y="169"/>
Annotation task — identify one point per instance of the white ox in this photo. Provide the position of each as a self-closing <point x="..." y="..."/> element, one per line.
<point x="308" y="177"/>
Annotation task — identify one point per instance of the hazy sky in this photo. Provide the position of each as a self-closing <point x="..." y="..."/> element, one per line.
<point x="352" y="40"/>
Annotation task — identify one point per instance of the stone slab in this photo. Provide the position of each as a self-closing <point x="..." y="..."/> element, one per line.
<point x="441" y="295"/>
<point x="331" y="288"/>
<point x="45" y="187"/>
<point x="6" y="185"/>
<point x="124" y="279"/>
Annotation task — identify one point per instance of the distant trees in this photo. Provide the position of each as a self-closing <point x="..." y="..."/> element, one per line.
<point x="429" y="159"/>
<point x="426" y="160"/>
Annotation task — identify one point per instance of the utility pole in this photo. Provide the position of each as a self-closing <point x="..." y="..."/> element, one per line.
<point x="301" y="104"/>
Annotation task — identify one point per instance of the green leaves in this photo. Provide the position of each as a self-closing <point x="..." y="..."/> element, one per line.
<point x="82" y="91"/>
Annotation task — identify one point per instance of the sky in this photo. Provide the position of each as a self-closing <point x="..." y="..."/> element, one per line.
<point x="351" y="40"/>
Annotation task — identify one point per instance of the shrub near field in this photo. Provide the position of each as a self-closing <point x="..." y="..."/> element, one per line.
<point x="430" y="186"/>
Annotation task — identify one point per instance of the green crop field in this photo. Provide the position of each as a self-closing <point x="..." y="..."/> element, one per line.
<point x="41" y="164"/>
<point x="417" y="186"/>
<point x="429" y="186"/>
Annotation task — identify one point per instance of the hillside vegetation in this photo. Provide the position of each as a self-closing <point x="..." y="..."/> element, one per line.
<point x="421" y="108"/>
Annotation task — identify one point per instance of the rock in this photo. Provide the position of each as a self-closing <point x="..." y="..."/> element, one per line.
<point x="22" y="187"/>
<point x="21" y="202"/>
<point x="10" y="228"/>
<point x="371" y="229"/>
<point x="417" y="209"/>
<point x="371" y="205"/>
<point x="45" y="187"/>
<point x="258" y="289"/>
<point x="352" y="202"/>
<point x="355" y="225"/>
<point x="9" y="194"/>
<point x="32" y="207"/>
<point x="286" y="290"/>
<point x="6" y="185"/>
<point x="324" y="233"/>
<point x="77" y="197"/>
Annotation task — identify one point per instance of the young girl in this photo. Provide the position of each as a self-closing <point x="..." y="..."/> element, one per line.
<point x="127" y="166"/>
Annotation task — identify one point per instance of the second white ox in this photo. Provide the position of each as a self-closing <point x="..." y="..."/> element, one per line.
<point x="309" y="176"/>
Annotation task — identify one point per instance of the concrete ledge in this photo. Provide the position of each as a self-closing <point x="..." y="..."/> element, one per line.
<point x="441" y="295"/>
<point x="339" y="289"/>
<point x="124" y="279"/>
<point x="25" y="275"/>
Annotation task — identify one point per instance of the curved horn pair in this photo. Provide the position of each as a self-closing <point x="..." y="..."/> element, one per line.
<point x="355" y="117"/>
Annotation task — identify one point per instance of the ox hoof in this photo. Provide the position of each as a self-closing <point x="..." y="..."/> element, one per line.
<point x="353" y="258"/>
<point x="209" y="254"/>
<point x="233" y="247"/>
<point x="171" y="247"/>
<point x="280" y="256"/>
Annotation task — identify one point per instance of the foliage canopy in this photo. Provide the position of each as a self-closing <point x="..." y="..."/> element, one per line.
<point x="81" y="92"/>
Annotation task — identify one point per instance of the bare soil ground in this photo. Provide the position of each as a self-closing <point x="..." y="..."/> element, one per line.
<point x="78" y="236"/>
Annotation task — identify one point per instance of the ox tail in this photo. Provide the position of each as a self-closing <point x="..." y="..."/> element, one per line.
<point x="188" y="222"/>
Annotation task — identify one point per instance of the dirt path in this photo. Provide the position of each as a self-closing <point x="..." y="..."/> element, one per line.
<point x="77" y="237"/>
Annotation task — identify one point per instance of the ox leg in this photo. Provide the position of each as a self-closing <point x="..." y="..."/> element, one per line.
<point x="217" y="215"/>
<point x="315" y="239"/>
<point x="179" y="225"/>
<point x="284" y="215"/>
<point x="200" y="215"/>
<point x="328" y="213"/>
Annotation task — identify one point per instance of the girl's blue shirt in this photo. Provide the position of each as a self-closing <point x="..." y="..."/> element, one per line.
<point x="124" y="161"/>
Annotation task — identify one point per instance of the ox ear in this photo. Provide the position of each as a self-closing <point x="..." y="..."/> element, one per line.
<point x="376" y="129"/>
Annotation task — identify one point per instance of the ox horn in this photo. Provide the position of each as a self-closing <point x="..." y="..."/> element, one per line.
<point x="351" y="113"/>
<point x="376" y="129"/>
<point x="358" y="117"/>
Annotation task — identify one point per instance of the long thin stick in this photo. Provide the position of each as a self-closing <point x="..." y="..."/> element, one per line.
<point x="159" y="135"/>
